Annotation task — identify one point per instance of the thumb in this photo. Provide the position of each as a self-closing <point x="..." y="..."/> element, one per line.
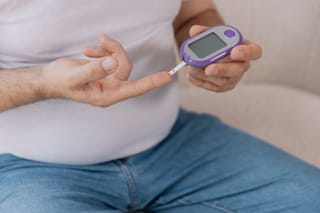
<point x="97" y="69"/>
<point x="196" y="29"/>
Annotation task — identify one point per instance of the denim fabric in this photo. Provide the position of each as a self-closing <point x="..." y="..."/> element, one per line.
<point x="202" y="166"/>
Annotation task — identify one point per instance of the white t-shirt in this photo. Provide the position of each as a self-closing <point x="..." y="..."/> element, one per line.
<point x="34" y="32"/>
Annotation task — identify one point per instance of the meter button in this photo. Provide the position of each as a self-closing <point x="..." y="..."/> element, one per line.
<point x="229" y="33"/>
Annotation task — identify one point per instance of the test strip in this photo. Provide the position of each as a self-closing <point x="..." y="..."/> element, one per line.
<point x="177" y="68"/>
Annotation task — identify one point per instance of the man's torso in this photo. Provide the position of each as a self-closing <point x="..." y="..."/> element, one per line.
<point x="36" y="32"/>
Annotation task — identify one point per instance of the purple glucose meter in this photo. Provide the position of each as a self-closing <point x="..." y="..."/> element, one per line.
<point x="208" y="47"/>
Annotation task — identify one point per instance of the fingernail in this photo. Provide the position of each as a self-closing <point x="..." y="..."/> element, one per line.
<point x="108" y="64"/>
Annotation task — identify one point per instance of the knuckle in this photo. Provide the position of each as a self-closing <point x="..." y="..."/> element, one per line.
<point x="218" y="82"/>
<point x="230" y="87"/>
<point x="214" y="88"/>
<point x="115" y="42"/>
<point x="242" y="69"/>
<point x="226" y="88"/>
<point x="95" y="69"/>
<point x="116" y="46"/>
<point x="220" y="89"/>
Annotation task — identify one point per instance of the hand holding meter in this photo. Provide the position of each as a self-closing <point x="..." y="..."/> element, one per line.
<point x="208" y="47"/>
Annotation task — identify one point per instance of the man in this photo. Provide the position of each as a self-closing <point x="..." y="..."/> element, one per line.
<point x="78" y="135"/>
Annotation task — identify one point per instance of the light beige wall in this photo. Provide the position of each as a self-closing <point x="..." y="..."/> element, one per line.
<point x="289" y="32"/>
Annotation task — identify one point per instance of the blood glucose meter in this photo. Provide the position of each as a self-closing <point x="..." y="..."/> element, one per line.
<point x="208" y="47"/>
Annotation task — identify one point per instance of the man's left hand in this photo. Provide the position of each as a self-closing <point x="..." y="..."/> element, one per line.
<point x="227" y="72"/>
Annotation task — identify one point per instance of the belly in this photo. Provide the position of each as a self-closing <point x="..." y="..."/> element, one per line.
<point x="61" y="131"/>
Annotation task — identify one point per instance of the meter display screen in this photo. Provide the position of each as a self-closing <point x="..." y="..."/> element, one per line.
<point x="207" y="45"/>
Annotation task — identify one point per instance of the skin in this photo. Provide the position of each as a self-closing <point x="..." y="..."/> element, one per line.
<point x="92" y="83"/>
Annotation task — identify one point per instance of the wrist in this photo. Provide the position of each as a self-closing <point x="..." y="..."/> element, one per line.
<point x="21" y="86"/>
<point x="43" y="87"/>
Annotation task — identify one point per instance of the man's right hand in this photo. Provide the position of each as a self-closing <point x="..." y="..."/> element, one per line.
<point x="101" y="82"/>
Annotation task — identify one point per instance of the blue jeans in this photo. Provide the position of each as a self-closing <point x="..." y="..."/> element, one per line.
<point x="202" y="166"/>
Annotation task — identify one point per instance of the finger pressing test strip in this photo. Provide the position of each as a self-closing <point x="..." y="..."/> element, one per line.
<point x="208" y="47"/>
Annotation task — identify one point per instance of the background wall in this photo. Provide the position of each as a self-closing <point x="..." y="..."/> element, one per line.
<point x="288" y="31"/>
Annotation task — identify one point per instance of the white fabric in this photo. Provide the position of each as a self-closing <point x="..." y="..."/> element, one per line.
<point x="35" y="32"/>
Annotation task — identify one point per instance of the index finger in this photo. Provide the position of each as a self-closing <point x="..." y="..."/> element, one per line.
<point x="134" y="88"/>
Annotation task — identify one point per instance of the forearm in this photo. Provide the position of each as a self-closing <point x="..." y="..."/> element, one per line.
<point x="19" y="87"/>
<point x="208" y="17"/>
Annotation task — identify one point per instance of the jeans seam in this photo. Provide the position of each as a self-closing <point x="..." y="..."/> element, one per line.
<point x="215" y="206"/>
<point x="131" y="183"/>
